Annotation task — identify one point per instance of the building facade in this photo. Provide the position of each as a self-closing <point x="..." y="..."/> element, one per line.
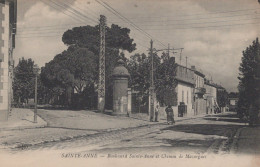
<point x="232" y="104"/>
<point x="199" y="103"/>
<point x="194" y="91"/>
<point x="8" y="15"/>
<point x="211" y="97"/>
<point x="185" y="89"/>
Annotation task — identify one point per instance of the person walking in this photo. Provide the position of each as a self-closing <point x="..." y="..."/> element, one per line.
<point x="156" y="113"/>
<point x="170" y="115"/>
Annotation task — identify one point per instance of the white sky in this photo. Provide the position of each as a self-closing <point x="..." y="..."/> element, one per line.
<point x="213" y="33"/>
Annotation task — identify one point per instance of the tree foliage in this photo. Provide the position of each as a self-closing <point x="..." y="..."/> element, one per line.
<point x="139" y="66"/>
<point x="88" y="37"/>
<point x="222" y="97"/>
<point x="74" y="69"/>
<point x="77" y="67"/>
<point x="249" y="79"/>
<point x="24" y="80"/>
<point x="166" y="81"/>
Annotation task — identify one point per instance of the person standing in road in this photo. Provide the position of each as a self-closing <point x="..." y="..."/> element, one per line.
<point x="170" y="115"/>
<point x="156" y="113"/>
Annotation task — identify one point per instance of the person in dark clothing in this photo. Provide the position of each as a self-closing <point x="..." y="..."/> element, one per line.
<point x="170" y="115"/>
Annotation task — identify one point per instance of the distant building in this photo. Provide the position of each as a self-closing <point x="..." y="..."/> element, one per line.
<point x="232" y="101"/>
<point x="184" y="89"/>
<point x="193" y="91"/>
<point x="199" y="103"/>
<point x="232" y="104"/>
<point x="8" y="15"/>
<point x="211" y="96"/>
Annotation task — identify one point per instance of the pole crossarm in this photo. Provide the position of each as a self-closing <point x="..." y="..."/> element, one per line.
<point x="159" y="50"/>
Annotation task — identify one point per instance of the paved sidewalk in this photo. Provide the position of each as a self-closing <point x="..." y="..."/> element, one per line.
<point x="90" y="120"/>
<point x="21" y="118"/>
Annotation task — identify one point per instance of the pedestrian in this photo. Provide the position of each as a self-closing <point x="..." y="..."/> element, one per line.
<point x="156" y="113"/>
<point x="170" y="115"/>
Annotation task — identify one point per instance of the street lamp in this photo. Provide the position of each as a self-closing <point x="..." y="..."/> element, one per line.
<point x="35" y="71"/>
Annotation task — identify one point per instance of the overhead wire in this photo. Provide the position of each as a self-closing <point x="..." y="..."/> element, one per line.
<point x="207" y="26"/>
<point x="75" y="13"/>
<point x="64" y="5"/>
<point x="157" y="25"/>
<point x="90" y="13"/>
<point x="199" y="14"/>
<point x="203" y="18"/>
<point x="62" y="27"/>
<point x="112" y="10"/>
<point x="74" y="18"/>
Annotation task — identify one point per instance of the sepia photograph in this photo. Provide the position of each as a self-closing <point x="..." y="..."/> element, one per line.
<point x="129" y="83"/>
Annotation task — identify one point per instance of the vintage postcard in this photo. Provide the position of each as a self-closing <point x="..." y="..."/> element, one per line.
<point x="129" y="83"/>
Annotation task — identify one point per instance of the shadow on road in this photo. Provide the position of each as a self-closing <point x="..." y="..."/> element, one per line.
<point x="223" y="126"/>
<point x="229" y="117"/>
<point x="205" y="129"/>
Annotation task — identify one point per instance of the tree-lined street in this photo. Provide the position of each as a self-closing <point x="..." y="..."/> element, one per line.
<point x="171" y="80"/>
<point x="210" y="134"/>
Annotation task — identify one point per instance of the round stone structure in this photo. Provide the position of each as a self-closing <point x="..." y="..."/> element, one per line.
<point x="120" y="88"/>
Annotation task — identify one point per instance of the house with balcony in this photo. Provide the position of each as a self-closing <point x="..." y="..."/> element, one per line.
<point x="8" y="15"/>
<point x="199" y="103"/>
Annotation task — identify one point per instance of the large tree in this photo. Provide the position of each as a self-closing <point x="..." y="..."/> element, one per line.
<point x="88" y="37"/>
<point x="166" y="81"/>
<point x="24" y="80"/>
<point x="248" y="103"/>
<point x="72" y="70"/>
<point x="117" y="40"/>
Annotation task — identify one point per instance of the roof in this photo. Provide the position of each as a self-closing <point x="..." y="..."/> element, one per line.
<point x="199" y="73"/>
<point x="207" y="82"/>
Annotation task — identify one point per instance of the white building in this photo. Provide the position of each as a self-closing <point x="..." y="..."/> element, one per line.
<point x="7" y="34"/>
<point x="184" y="89"/>
<point x="199" y="103"/>
<point x="211" y="96"/>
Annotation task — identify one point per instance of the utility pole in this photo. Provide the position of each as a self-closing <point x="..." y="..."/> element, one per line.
<point x="35" y="100"/>
<point x="102" y="77"/>
<point x="180" y="55"/>
<point x="151" y="107"/>
<point x="168" y="51"/>
<point x="186" y="62"/>
<point x="35" y="70"/>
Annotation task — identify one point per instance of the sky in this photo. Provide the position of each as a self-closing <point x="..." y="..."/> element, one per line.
<point x="213" y="33"/>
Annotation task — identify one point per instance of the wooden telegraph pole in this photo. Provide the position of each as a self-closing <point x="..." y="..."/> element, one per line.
<point x="101" y="84"/>
<point x="151" y="112"/>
